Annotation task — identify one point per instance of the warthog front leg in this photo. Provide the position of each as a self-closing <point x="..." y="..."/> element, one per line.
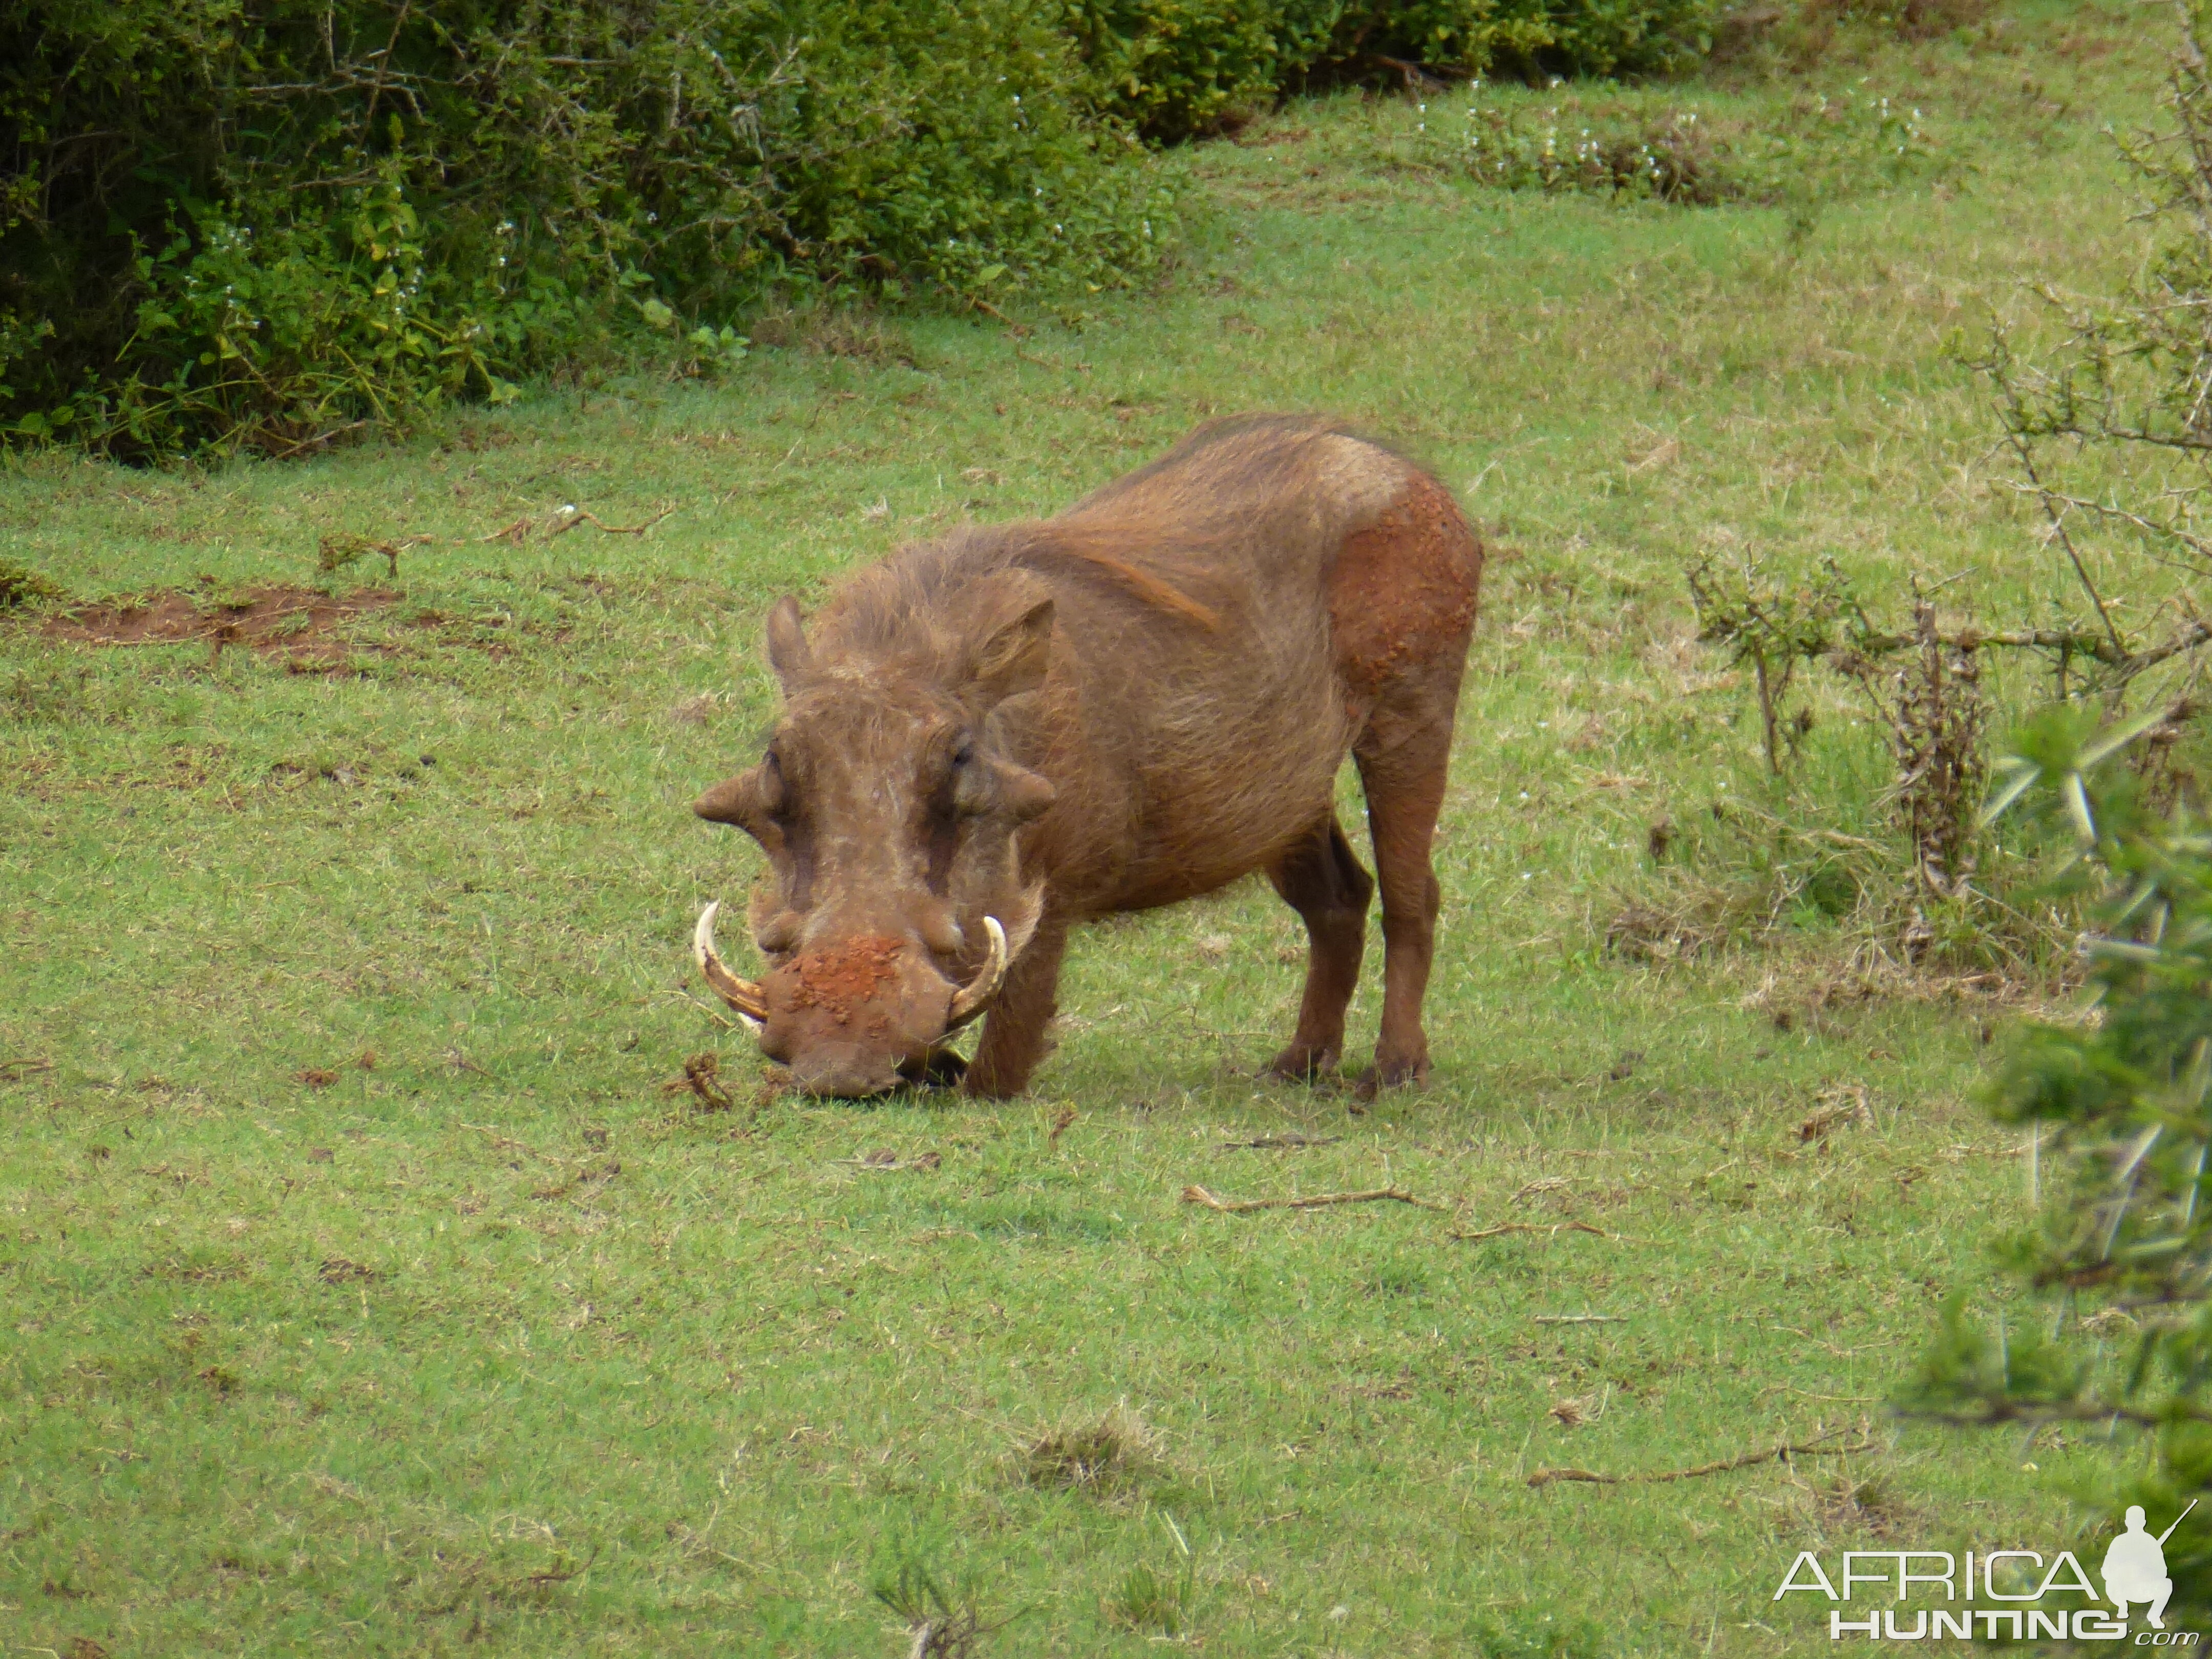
<point x="1014" y="1030"/>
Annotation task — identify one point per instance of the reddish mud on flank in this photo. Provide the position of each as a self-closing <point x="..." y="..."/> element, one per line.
<point x="990" y="738"/>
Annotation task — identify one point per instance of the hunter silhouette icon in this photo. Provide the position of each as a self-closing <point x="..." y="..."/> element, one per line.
<point x="2135" y="1567"/>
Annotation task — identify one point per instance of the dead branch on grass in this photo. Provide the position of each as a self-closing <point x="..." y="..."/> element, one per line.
<point x="1581" y="1319"/>
<point x="569" y="517"/>
<point x="1552" y="1231"/>
<point x="1289" y="1140"/>
<point x="1318" y="1200"/>
<point x="25" y="1068"/>
<point x="1783" y="1453"/>
<point x="563" y="520"/>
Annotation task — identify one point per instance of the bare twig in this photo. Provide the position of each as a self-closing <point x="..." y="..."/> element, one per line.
<point x="568" y="521"/>
<point x="25" y="1068"/>
<point x="1287" y="1141"/>
<point x="320" y="438"/>
<point x="1318" y="1200"/>
<point x="1417" y="76"/>
<point x="1581" y="1319"/>
<point x="2026" y="453"/>
<point x="1783" y="1454"/>
<point x="1552" y="1231"/>
<point x="2106" y="509"/>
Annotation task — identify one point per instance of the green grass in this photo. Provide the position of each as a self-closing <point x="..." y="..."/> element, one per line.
<point x="498" y="1344"/>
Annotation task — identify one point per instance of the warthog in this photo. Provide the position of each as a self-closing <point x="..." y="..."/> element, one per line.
<point x="992" y="737"/>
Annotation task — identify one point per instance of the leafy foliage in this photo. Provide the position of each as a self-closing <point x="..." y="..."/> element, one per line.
<point x="1175" y="67"/>
<point x="2127" y="1099"/>
<point x="261" y="224"/>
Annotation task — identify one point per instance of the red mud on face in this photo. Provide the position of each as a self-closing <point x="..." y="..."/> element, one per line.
<point x="844" y="979"/>
<point x="295" y="623"/>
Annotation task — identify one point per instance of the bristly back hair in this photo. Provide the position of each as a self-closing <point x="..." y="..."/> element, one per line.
<point x="1094" y="545"/>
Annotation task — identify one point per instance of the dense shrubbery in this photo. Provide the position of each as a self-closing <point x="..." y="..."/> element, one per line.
<point x="259" y="223"/>
<point x="1174" y="67"/>
<point x="2112" y="436"/>
<point x="2122" y="1105"/>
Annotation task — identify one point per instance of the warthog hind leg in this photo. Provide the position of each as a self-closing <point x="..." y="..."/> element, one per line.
<point x="1402" y="757"/>
<point x="1322" y="879"/>
<point x="1402" y="609"/>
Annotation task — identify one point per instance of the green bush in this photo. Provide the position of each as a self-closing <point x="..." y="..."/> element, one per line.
<point x="1535" y="38"/>
<point x="1175" y="67"/>
<point x="260" y="222"/>
<point x="2121" y="1106"/>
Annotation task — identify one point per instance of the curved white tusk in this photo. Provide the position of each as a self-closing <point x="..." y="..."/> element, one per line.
<point x="749" y="1002"/>
<point x="972" y="998"/>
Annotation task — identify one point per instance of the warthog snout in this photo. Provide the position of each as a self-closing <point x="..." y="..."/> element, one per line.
<point x="852" y="1019"/>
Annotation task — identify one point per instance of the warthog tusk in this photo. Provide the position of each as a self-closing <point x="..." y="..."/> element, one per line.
<point x="742" y="995"/>
<point x="970" y="999"/>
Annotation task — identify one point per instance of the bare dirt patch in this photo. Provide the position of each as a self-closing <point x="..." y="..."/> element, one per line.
<point x="300" y="624"/>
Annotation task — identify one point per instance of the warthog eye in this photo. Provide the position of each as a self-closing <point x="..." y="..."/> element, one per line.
<point x="964" y="753"/>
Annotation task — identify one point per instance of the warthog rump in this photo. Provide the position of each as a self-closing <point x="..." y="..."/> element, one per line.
<point x="992" y="737"/>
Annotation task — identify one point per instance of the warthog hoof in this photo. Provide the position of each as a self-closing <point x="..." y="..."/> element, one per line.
<point x="1300" y="1064"/>
<point x="1390" y="1075"/>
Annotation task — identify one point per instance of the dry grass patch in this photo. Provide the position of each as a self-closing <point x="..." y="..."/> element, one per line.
<point x="1108" y="1453"/>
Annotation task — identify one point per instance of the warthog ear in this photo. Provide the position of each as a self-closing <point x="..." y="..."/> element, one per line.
<point x="787" y="643"/>
<point x="733" y="801"/>
<point x="1014" y="658"/>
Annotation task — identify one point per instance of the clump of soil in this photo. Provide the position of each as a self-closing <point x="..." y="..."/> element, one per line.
<point x="298" y="623"/>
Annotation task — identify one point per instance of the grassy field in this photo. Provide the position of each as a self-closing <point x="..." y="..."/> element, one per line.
<point x="371" y="1282"/>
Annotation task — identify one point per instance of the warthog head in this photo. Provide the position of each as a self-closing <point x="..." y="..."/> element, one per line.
<point x="887" y="804"/>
